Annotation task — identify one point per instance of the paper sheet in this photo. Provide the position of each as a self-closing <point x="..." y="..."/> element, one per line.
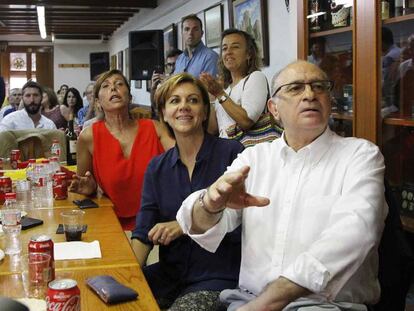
<point x="77" y="250"/>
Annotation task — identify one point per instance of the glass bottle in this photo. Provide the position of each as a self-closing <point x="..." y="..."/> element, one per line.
<point x="409" y="6"/>
<point x="314" y="24"/>
<point x="71" y="141"/>
<point x="398" y="7"/>
<point x="385" y="9"/>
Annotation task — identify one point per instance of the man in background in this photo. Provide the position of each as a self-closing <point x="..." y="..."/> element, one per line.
<point x="87" y="111"/>
<point x="196" y="58"/>
<point x="29" y="117"/>
<point x="14" y="98"/>
<point x="159" y="77"/>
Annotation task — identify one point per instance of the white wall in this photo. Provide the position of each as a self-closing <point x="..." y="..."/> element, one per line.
<point x="74" y="54"/>
<point x="282" y="31"/>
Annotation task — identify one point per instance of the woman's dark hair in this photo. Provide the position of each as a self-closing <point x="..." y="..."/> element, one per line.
<point x="79" y="101"/>
<point x="164" y="92"/>
<point x="52" y="98"/>
<point x="253" y="64"/>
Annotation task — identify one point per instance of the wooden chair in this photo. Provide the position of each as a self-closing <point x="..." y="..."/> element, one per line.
<point x="33" y="143"/>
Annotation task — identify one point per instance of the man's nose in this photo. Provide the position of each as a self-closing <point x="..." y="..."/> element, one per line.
<point x="308" y="92"/>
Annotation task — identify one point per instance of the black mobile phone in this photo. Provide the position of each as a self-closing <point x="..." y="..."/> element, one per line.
<point x="85" y="203"/>
<point x="28" y="222"/>
<point x="158" y="69"/>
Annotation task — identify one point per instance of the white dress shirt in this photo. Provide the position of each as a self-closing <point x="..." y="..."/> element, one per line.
<point x="20" y="120"/>
<point x="3" y="110"/>
<point x="251" y="95"/>
<point x="322" y="227"/>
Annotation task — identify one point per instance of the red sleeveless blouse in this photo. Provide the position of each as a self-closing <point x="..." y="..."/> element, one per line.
<point x="121" y="178"/>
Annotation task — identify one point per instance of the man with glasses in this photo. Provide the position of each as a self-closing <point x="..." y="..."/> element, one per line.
<point x="311" y="206"/>
<point x="158" y="77"/>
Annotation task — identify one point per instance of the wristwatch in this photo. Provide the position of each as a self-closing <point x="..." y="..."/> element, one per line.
<point x="223" y="98"/>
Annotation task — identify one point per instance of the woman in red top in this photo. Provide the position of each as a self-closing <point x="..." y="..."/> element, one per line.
<point x="114" y="152"/>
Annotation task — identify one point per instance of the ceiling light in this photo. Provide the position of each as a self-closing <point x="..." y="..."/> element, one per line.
<point x="41" y="21"/>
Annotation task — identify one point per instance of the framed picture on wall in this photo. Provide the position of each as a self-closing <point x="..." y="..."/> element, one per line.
<point x="113" y="61"/>
<point x="120" y="59"/>
<point x="251" y="16"/>
<point x="170" y="39"/>
<point x="213" y="21"/>
<point x="126" y="57"/>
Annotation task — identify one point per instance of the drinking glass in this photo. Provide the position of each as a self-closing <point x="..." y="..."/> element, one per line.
<point x="73" y="224"/>
<point x="35" y="271"/>
<point x="24" y="194"/>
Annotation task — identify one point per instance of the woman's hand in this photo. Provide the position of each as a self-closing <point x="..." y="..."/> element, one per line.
<point x="213" y="86"/>
<point x="83" y="184"/>
<point x="164" y="233"/>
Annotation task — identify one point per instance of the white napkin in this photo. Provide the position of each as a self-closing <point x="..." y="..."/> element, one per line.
<point x="33" y="304"/>
<point x="77" y="250"/>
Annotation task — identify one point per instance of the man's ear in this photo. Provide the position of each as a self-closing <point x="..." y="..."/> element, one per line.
<point x="272" y="107"/>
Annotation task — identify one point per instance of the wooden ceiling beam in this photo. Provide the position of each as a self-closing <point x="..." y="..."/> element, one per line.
<point x="86" y="3"/>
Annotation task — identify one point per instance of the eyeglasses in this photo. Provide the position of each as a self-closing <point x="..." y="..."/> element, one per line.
<point x="297" y="88"/>
<point x="169" y="64"/>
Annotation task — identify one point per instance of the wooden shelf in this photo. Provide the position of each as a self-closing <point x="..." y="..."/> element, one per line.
<point x="330" y="32"/>
<point x="343" y="116"/>
<point x="396" y="119"/>
<point x="398" y="19"/>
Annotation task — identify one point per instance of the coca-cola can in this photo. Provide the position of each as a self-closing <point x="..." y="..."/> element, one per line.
<point x="63" y="295"/>
<point x="60" y="186"/>
<point x="42" y="243"/>
<point x="5" y="187"/>
<point x="14" y="158"/>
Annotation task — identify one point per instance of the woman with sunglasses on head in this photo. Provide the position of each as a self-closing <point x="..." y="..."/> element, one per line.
<point x="187" y="277"/>
<point x="242" y="98"/>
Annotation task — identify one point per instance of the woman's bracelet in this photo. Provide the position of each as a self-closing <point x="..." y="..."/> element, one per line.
<point x="203" y="205"/>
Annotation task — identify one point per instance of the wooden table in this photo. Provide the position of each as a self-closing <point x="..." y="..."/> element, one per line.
<point x="118" y="259"/>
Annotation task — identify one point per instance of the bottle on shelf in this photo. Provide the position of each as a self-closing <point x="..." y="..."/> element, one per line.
<point x="71" y="141"/>
<point x="398" y="7"/>
<point x="409" y="6"/>
<point x="385" y="9"/>
<point x="315" y="10"/>
<point x="11" y="221"/>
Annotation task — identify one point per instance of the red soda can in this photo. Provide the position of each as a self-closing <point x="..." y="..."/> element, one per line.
<point x="63" y="295"/>
<point x="1" y="163"/>
<point x="14" y="158"/>
<point x="5" y="187"/>
<point x="42" y="243"/>
<point x="60" y="186"/>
